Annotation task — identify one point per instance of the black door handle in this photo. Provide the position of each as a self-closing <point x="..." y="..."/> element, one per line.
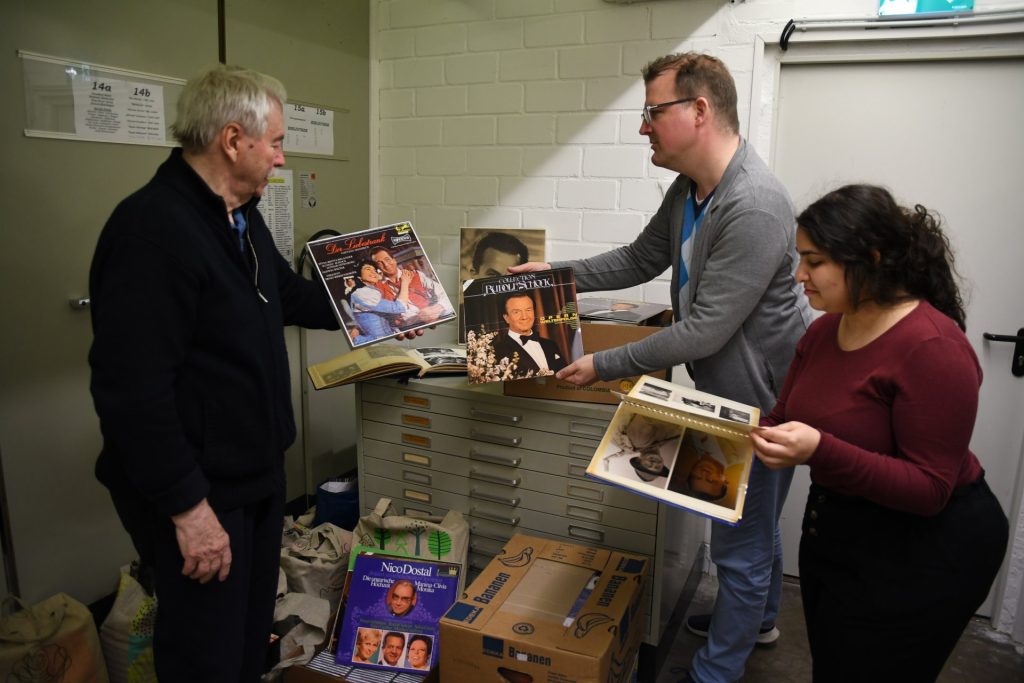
<point x="1002" y="337"/>
<point x="1017" y="362"/>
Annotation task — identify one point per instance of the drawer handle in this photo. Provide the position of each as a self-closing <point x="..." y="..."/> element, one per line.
<point x="583" y="513"/>
<point x="483" y="495"/>
<point x="587" y="534"/>
<point x="484" y="532"/>
<point x="416" y="440"/>
<point x="577" y="471"/>
<point x="474" y="454"/>
<point x="418" y="401"/>
<point x="584" y="493"/>
<point x="479" y="512"/>
<point x="413" y="512"/>
<point x="416" y="459"/>
<point x="416" y="421"/>
<point x="494" y="438"/>
<point x="585" y="429"/>
<point x="493" y="479"/>
<point x="476" y="545"/>
<point x="497" y="417"/>
<point x="416" y="477"/>
<point x="582" y="449"/>
<point x="413" y="494"/>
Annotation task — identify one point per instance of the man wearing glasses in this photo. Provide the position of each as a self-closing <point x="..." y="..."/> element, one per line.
<point x="726" y="229"/>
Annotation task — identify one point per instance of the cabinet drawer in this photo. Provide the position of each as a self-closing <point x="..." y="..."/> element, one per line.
<point x="511" y="491"/>
<point x="578" y="534"/>
<point x="562" y="476"/>
<point x="502" y="412"/>
<point x="508" y="446"/>
<point x="515" y="520"/>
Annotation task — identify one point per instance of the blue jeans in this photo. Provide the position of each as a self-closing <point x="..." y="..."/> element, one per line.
<point x="749" y="561"/>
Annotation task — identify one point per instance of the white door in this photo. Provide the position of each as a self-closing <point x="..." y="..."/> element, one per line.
<point x="945" y="134"/>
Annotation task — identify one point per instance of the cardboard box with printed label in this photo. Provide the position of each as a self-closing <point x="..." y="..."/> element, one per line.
<point x="545" y="610"/>
<point x="597" y="336"/>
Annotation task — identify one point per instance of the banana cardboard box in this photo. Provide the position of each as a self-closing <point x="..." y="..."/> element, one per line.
<point x="545" y="611"/>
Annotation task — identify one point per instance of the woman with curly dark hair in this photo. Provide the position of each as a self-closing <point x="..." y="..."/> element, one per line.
<point x="902" y="537"/>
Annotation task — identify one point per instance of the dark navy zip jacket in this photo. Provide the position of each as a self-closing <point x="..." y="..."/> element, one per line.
<point x="190" y="374"/>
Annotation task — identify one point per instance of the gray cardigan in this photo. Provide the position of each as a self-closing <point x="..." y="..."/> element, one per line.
<point x="744" y="313"/>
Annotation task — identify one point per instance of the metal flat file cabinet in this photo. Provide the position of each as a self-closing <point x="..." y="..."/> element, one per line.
<point x="514" y="465"/>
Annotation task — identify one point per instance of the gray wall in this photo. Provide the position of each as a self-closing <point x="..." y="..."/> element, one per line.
<point x="57" y="195"/>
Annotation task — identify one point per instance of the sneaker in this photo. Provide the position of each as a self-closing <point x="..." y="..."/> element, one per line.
<point x="699" y="624"/>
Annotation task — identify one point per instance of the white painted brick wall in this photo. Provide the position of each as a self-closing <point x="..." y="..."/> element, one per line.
<point x="495" y="98"/>
<point x="618" y="25"/>
<point x="611" y="228"/>
<point x="526" y="129"/>
<point x="441" y="40"/>
<point x="528" y="65"/>
<point x="396" y="103"/>
<point x="495" y="35"/>
<point x="554" y="96"/>
<point x="614" y="162"/>
<point x="526" y="112"/>
<point x="586" y="194"/>
<point x="495" y="161"/>
<point x="471" y="69"/>
<point x="554" y="30"/>
<point x="592" y="61"/>
<point x="441" y="101"/>
<point x="469" y="130"/>
<point x="444" y="161"/>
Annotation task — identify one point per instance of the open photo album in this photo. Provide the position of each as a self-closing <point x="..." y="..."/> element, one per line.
<point x="681" y="446"/>
<point x="381" y="360"/>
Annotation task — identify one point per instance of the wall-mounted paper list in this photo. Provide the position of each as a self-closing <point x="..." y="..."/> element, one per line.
<point x="112" y="109"/>
<point x="309" y="129"/>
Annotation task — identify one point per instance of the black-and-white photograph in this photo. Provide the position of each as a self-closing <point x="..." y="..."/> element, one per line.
<point x="701" y="405"/>
<point x="655" y="391"/>
<point x="734" y="415"/>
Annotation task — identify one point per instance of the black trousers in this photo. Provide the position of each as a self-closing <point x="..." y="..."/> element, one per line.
<point x="887" y="594"/>
<point x="218" y="631"/>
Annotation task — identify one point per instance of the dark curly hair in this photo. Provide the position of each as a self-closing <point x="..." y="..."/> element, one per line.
<point x="890" y="253"/>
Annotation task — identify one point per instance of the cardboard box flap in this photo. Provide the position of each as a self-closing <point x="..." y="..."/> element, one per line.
<point x="576" y="555"/>
<point x="487" y="593"/>
<point x="501" y="580"/>
<point x="605" y="618"/>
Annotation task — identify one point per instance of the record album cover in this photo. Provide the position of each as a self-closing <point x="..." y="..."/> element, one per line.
<point x="380" y="282"/>
<point x="521" y="326"/>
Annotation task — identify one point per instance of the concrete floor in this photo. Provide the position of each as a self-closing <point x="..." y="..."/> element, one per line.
<point x="982" y="656"/>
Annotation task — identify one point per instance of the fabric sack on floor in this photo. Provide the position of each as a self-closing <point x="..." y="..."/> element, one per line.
<point x="444" y="539"/>
<point x="315" y="559"/>
<point x="54" y="640"/>
<point x="127" y="633"/>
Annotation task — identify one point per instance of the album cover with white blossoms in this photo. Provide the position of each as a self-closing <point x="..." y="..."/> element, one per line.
<point x="521" y="326"/>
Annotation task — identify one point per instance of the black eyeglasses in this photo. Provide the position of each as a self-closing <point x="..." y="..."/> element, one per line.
<point x="648" y="108"/>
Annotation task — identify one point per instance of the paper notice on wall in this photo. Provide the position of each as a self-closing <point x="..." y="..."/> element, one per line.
<point x="308" y="130"/>
<point x="278" y="212"/>
<point x="115" y="110"/>
<point x="307" y="190"/>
